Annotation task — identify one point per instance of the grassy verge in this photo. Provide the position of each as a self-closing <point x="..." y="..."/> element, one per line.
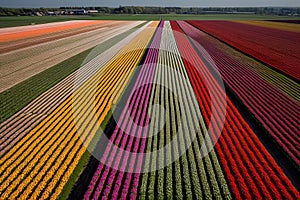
<point x="28" y="20"/>
<point x="15" y="98"/>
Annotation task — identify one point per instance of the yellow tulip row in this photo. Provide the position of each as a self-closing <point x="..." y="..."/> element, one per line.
<point x="51" y="151"/>
<point x="276" y="25"/>
<point x="10" y="162"/>
<point x="16" y="176"/>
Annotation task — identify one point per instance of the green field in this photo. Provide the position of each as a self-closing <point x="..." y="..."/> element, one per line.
<point x="28" y="20"/>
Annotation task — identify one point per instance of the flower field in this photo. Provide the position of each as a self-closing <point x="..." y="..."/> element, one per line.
<point x="152" y="110"/>
<point x="273" y="47"/>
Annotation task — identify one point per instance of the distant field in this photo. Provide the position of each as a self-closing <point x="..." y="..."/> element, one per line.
<point x="28" y="20"/>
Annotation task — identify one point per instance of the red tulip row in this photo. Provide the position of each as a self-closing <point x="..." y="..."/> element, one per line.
<point x="277" y="48"/>
<point x="250" y="171"/>
<point x="275" y="111"/>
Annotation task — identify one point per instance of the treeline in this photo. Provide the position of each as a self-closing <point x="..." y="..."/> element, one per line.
<point x="24" y="11"/>
<point x="150" y="10"/>
<point x="180" y="10"/>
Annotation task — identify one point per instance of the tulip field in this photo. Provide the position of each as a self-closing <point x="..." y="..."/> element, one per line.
<point x="195" y="109"/>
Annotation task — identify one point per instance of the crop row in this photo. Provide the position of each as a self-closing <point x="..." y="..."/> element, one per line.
<point x="276" y="79"/>
<point x="276" y="48"/>
<point x="275" y="25"/>
<point x="19" y="65"/>
<point x="245" y="165"/>
<point x="43" y="144"/>
<point x="6" y="47"/>
<point x="137" y="106"/>
<point x="11" y="34"/>
<point x="249" y="170"/>
<point x="274" y="110"/>
<point x="52" y="149"/>
<point x="190" y="176"/>
<point x="28" y="117"/>
<point x="285" y="21"/>
<point x="187" y="176"/>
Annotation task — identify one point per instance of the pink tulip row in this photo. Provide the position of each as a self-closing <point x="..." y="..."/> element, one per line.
<point x="108" y="180"/>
